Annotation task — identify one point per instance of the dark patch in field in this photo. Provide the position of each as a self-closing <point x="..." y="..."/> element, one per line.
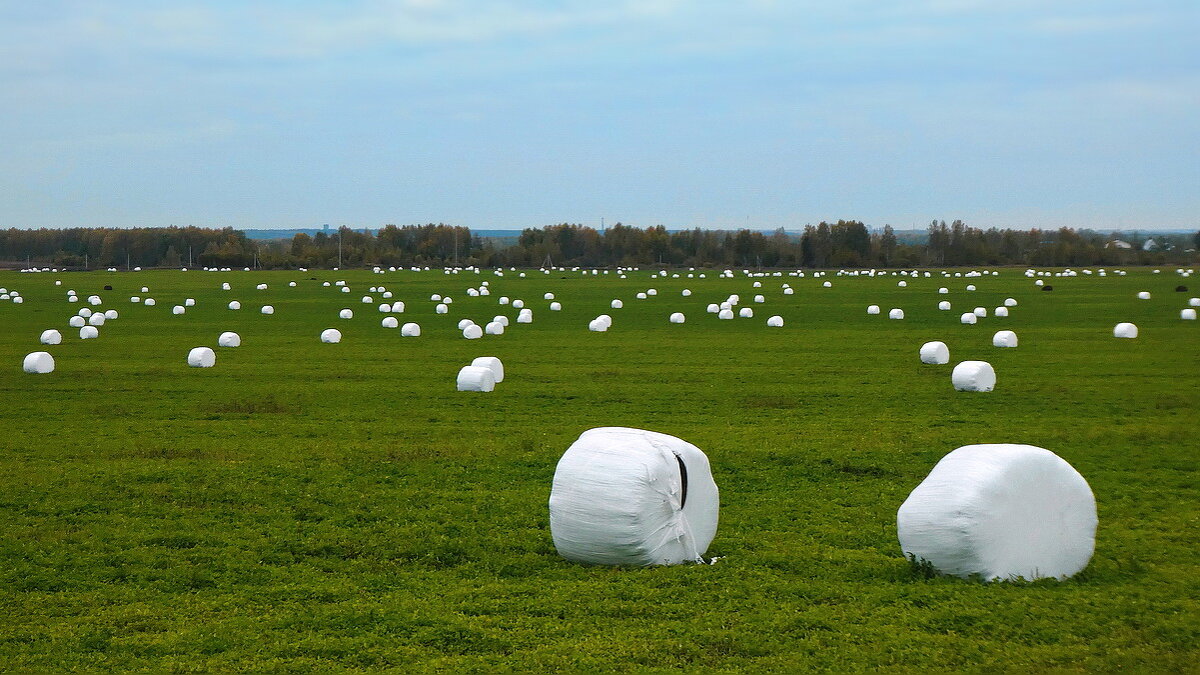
<point x="864" y="471"/>
<point x="248" y="406"/>
<point x="774" y="402"/>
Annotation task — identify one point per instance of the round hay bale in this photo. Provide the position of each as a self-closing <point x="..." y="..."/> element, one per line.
<point x="1143" y="295"/>
<point x="39" y="363"/>
<point x="641" y="296"/>
<point x="677" y="317"/>
<point x="85" y="312"/>
<point x="746" y="313"/>
<point x="788" y="291"/>
<point x="1194" y="302"/>
<point x="135" y="300"/>
<point x="980" y="312"/>
<point x="149" y="302"/>
<point x="475" y="378"/>
<point x="397" y="307"/>
<point x="713" y="308"/>
<point x="89" y="333"/>
<point x="1010" y="302"/>
<point x="178" y="309"/>
<point x="625" y="496"/>
<point x="1039" y="282"/>
<point x="229" y="339"/>
<point x="775" y="321"/>
<point x="827" y="284"/>
<point x="547" y="296"/>
<point x="51" y="337"/>
<point x="651" y="292"/>
<point x="235" y="305"/>
<point x="1004" y="338"/>
<point x="77" y="322"/>
<point x="556" y="307"/>
<point x="503" y="300"/>
<point x="472" y="332"/>
<point x="202" y="357"/>
<point x="943" y="290"/>
<point x="725" y="314"/>
<point x="463" y="323"/>
<point x="410" y="330"/>
<point x="225" y="286"/>
<point x="492" y="363"/>
<point x="968" y="318"/>
<point x="384" y="308"/>
<point x="759" y="298"/>
<point x="1000" y="312"/>
<point x="598" y="325"/>
<point x="1000" y="511"/>
<point x="686" y="292"/>
<point x="441" y="308"/>
<point x="501" y="319"/>
<point x="974" y="376"/>
<point x="96" y="319"/>
<point x="390" y="322"/>
<point x="944" y="305"/>
<point x="935" y="353"/>
<point x="895" y="313"/>
<point x="518" y="303"/>
<point x="331" y="336"/>
<point x="872" y="309"/>
<point x="1125" y="330"/>
<point x="1188" y="314"/>
<point x="902" y="284"/>
<point x="525" y="316"/>
<point x="111" y="314"/>
<point x="494" y="328"/>
<point x="346" y="314"/>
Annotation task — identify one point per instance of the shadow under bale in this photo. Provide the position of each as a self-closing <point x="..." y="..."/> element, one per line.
<point x="1181" y="289"/>
<point x="1047" y="288"/>
<point x="108" y="288"/>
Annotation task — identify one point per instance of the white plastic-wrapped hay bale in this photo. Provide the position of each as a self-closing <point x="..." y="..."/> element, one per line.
<point x="111" y="314"/>
<point x="1010" y="302"/>
<point x="974" y="376"/>
<point x="472" y="332"/>
<point x="389" y="322"/>
<point x="980" y="312"/>
<point x="202" y="357"/>
<point x="1004" y="338"/>
<point x="178" y="309"/>
<point x="398" y="307"/>
<point x="501" y="319"/>
<point x="598" y="325"/>
<point x="95" y="299"/>
<point x="1194" y="302"/>
<point x="442" y="308"/>
<point x="1125" y="330"/>
<point x="651" y="292"/>
<point x="89" y="333"/>
<point x="225" y="286"/>
<point x="775" y="321"/>
<point x="368" y="300"/>
<point x="1143" y="295"/>
<point x="895" y="313"/>
<point x="1000" y="511"/>
<point x="384" y="308"/>
<point x="410" y="330"/>
<point x="229" y="339"/>
<point x="547" y="296"/>
<point x="827" y="284"/>
<point x="77" y="322"/>
<point x="134" y="300"/>
<point x="1000" y="312"/>
<point x="746" y="313"/>
<point x="935" y="353"/>
<point x="686" y="292"/>
<point x="1187" y="314"/>
<point x="525" y="316"/>
<point x="632" y="497"/>
<point x="331" y="336"/>
<point x="51" y="337"/>
<point x="677" y="317"/>
<point x="149" y="302"/>
<point x="39" y="363"/>
<point x="97" y="319"/>
<point x="518" y="303"/>
<point x="189" y="302"/>
<point x="872" y="309"/>
<point x="943" y="290"/>
<point x="491" y="363"/>
<point x="713" y="308"/>
<point x="968" y="318"/>
<point x="346" y="314"/>
<point x="235" y="305"/>
<point x="1039" y="282"/>
<point x="641" y="296"/>
<point x="944" y="305"/>
<point x="725" y="314"/>
<point x="760" y="298"/>
<point x="494" y="328"/>
<point x="475" y="378"/>
<point x="503" y="300"/>
<point x="463" y="323"/>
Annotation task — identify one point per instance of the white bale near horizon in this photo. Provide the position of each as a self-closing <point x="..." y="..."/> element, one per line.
<point x="1143" y="295"/>
<point x="686" y="292"/>
<point x="389" y="322"/>
<point x="51" y="337"/>
<point x="225" y="286"/>
<point x="149" y="302"/>
<point x="1039" y="282"/>
<point x="202" y="357"/>
<point x="943" y="290"/>
<point x="759" y="298"/>
<point x="178" y="309"/>
<point x="775" y="321"/>
<point x="725" y="314"/>
<point x="491" y="363"/>
<point x="229" y="339"/>
<point x="969" y="318"/>
<point x="677" y="317"/>
<point x="525" y="316"/>
<point x="1194" y="302"/>
<point x="1000" y="511"/>
<point x="235" y="305"/>
<point x="1000" y="312"/>
<point x="935" y="353"/>
<point x="624" y="496"/>
<point x="475" y="378"/>
<point x="896" y="313"/>
<point x="1187" y="314"/>
<point x="77" y="322"/>
<point x="472" y="332"/>
<point x="442" y="308"/>
<point x="872" y="309"/>
<point x="556" y="307"/>
<point x="1004" y="338"/>
<point x="973" y="376"/>
<point x="38" y="363"/>
<point x="788" y="291"/>
<point x="944" y="305"/>
<point x="331" y="336"/>
<point x="827" y="284"/>
<point x="1125" y="330"/>
<point x="89" y="333"/>
<point x="410" y="330"/>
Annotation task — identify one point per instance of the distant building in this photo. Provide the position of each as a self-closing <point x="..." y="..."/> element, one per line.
<point x="1119" y="243"/>
<point x="1150" y="245"/>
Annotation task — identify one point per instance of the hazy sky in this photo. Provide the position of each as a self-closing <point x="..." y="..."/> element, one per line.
<point x="497" y="114"/>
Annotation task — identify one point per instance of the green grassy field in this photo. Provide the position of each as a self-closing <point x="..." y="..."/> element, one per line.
<point x="341" y="507"/>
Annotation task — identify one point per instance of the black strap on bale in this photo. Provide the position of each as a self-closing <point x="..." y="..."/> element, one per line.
<point x="682" y="480"/>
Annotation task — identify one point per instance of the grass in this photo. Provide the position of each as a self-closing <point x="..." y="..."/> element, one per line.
<point x="307" y="506"/>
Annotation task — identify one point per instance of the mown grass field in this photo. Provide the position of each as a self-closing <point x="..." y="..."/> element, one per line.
<point x="341" y="507"/>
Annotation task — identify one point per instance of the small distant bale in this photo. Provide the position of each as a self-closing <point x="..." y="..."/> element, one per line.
<point x="1004" y="338"/>
<point x="746" y="313"/>
<point x="202" y="357"/>
<point x="775" y="321"/>
<point x="77" y="322"/>
<point x="149" y="302"/>
<point x="944" y="305"/>
<point x="935" y="353"/>
<point x="331" y="336"/>
<point x="463" y="323"/>
<point x="872" y="309"/>
<point x="980" y="312"/>
<point x="89" y="333"/>
<point x="896" y="313"/>
<point x="178" y="309"/>
<point x="494" y="328"/>
<point x="1010" y="302"/>
<point x="229" y="339"/>
<point x="525" y="316"/>
<point x="472" y="332"/>
<point x="1125" y="330"/>
<point x="1143" y="295"/>
<point x="943" y="290"/>
<point x="410" y="330"/>
<point x="725" y="314"/>
<point x="677" y="317"/>
<point x="1000" y="312"/>
<point x="969" y="318"/>
<point x="389" y="322"/>
<point x="235" y="305"/>
<point x="51" y="337"/>
<point x="442" y="308"/>
<point x="1188" y="314"/>
<point x="346" y="314"/>
<point x="974" y="376"/>
<point x="475" y="378"/>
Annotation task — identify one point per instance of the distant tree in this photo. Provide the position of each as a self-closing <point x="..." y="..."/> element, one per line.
<point x="887" y="245"/>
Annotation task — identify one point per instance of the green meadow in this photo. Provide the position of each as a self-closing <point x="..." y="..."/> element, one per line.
<point x="307" y="506"/>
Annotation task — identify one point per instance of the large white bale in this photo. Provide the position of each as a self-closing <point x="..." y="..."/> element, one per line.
<point x="525" y="316"/>
<point x="677" y="317"/>
<point x="547" y="296"/>
<point x="632" y="497"/>
<point x="968" y="318"/>
<point x="89" y="333"/>
<point x="775" y="321"/>
<point x="641" y="296"/>
<point x="1125" y="330"/>
<point x="943" y="290"/>
<point x="725" y="314"/>
<point x="1143" y="295"/>
<point x="389" y="322"/>
<point x="872" y="309"/>
<point x="384" y="308"/>
<point x="476" y="378"/>
<point x="935" y="353"/>
<point x="1000" y="312"/>
<point x="149" y="302"/>
<point x="503" y="300"/>
<point x="827" y="284"/>
<point x="77" y="322"/>
<point x="1000" y="511"/>
<point x="492" y="363"/>
<point x="410" y="330"/>
<point x="518" y="303"/>
<point x="51" y="337"/>
<point x="229" y="339"/>
<point x="95" y="299"/>
<point x="1010" y="302"/>
<point x="39" y="363"/>
<point x="225" y="286"/>
<point x="442" y="308"/>
<point x="331" y="336"/>
<point x="1004" y="338"/>
<point x="202" y="357"/>
<point x="974" y="376"/>
<point x="944" y="305"/>
<point x="97" y="319"/>
<point x="494" y="328"/>
<point x="501" y="319"/>
<point x="895" y="313"/>
<point x="746" y="313"/>
<point x="1188" y="314"/>
<point x="368" y="300"/>
<point x="346" y="314"/>
<point x="759" y="298"/>
<point x="472" y="332"/>
<point x="235" y="305"/>
<point x="189" y="302"/>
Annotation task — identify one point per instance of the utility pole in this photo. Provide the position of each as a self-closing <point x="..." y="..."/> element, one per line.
<point x="85" y="261"/>
<point x="339" y="248"/>
<point x="189" y="255"/>
<point x="456" y="247"/>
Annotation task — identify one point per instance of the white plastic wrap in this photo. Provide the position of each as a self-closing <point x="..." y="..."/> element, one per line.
<point x="896" y="313"/>
<point x="346" y="314"/>
<point x="229" y="339"/>
<point x="51" y="337"/>
<point x="89" y="333"/>
<point x="775" y="321"/>
<point x="38" y="363"/>
<point x="491" y="363"/>
<point x="935" y="353"/>
<point x="632" y="497"/>
<point x="331" y="336"/>
<point x="872" y="309"/>
<point x="410" y="330"/>
<point x="389" y="322"/>
<point x="677" y="317"/>
<point x="472" y="332"/>
<point x="969" y="318"/>
<point x="202" y="357"/>
<point x="974" y="376"/>
<point x="944" y="305"/>
<point x="235" y="305"/>
<point x="1001" y="511"/>
<point x="77" y="322"/>
<point x="1004" y="338"/>
<point x="475" y="378"/>
<point x="1125" y="330"/>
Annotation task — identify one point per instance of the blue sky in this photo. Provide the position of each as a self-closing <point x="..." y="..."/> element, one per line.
<point x="510" y="114"/>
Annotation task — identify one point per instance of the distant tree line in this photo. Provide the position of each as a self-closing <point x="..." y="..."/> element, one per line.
<point x="846" y="243"/>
